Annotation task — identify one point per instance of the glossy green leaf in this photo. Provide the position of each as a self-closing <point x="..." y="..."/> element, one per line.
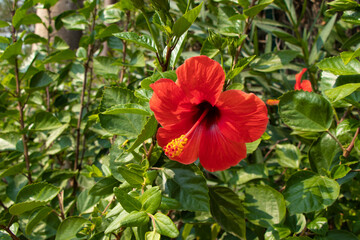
<point x="208" y="49"/>
<point x="134" y="176"/>
<point x="104" y="186"/>
<point x="296" y="222"/>
<point x="322" y="153"/>
<point x="151" y="200"/>
<point x="251" y="172"/>
<point x="37" y="192"/>
<point x="319" y="225"/>
<point x="227" y="210"/>
<point x="143" y="40"/>
<point x="103" y="66"/>
<point x="169" y="203"/>
<point x="116" y="223"/>
<point x="321" y="39"/>
<point x="3" y="24"/>
<point x="70" y="227"/>
<point x="264" y="206"/>
<point x="128" y="202"/>
<point x="242" y="64"/>
<point x="12" y="50"/>
<point x="341" y="234"/>
<point x="75" y="22"/>
<point x="46" y="121"/>
<point x="36" y="216"/>
<point x="352" y="17"/>
<point x="152" y="235"/>
<point x="184" y="22"/>
<point x="269" y="62"/>
<point x="134" y="219"/>
<point x="86" y="201"/>
<point x="8" y="141"/>
<point x="336" y="66"/>
<point x="61" y="55"/>
<point x="347" y="56"/>
<point x="340" y="171"/>
<point x="305" y="111"/>
<point x="165" y="226"/>
<point x="20" y="208"/>
<point x="276" y="233"/>
<point x="342" y="91"/>
<point x="187" y="184"/>
<point x="12" y="170"/>
<point x="288" y="155"/>
<point x="307" y="192"/>
<point x="254" y="10"/>
<point x="147" y="132"/>
<point x="42" y="79"/>
<point x="114" y="96"/>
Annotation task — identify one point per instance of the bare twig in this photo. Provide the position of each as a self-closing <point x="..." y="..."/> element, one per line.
<point x="273" y="147"/>
<point x="336" y="140"/>
<point x="20" y="106"/>
<point x="61" y="204"/>
<point x="107" y="206"/>
<point x="13" y="236"/>
<point x="123" y="69"/>
<point x="347" y="151"/>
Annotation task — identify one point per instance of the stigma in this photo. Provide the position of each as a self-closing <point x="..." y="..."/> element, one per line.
<point x="175" y="147"/>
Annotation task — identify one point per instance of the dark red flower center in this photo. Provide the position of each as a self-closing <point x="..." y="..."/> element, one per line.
<point x="213" y="114"/>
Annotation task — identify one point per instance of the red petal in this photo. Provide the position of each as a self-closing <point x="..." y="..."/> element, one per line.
<point x="306" y="86"/>
<point x="243" y="116"/>
<point x="191" y="150"/>
<point x="217" y="152"/>
<point x="169" y="103"/>
<point x="202" y="79"/>
<point x="298" y="79"/>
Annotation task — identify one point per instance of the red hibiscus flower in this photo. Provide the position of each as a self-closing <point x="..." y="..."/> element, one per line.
<point x="200" y="121"/>
<point x="304" y="84"/>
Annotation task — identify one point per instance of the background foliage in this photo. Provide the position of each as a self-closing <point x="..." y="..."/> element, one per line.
<point x="79" y="159"/>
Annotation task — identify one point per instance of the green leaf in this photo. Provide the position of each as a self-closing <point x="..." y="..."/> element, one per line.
<point x="12" y="50"/>
<point x="208" y="49"/>
<point x="322" y="153"/>
<point x="103" y="66"/>
<point x="133" y="175"/>
<point x="42" y="79"/>
<point x="36" y="216"/>
<point x="147" y="132"/>
<point x="321" y="39"/>
<point x="128" y="202"/>
<point x="336" y="66"/>
<point x="8" y="141"/>
<point x="184" y="22"/>
<point x="165" y="226"/>
<point x="169" y="203"/>
<point x="253" y="11"/>
<point x="347" y="56"/>
<point x="152" y="236"/>
<point x="4" y="24"/>
<point x="269" y="62"/>
<point x="13" y="170"/>
<point x="37" y="192"/>
<point x="296" y="222"/>
<point x="276" y="233"/>
<point x="341" y="234"/>
<point x="75" y="22"/>
<point x="342" y="91"/>
<point x="114" y="96"/>
<point x="227" y="210"/>
<point x="59" y="56"/>
<point x="104" y="186"/>
<point x="134" y="219"/>
<point x="319" y="225"/>
<point x="86" y="201"/>
<point x="251" y="172"/>
<point x="54" y="134"/>
<point x="111" y="14"/>
<point x="151" y="200"/>
<point x="116" y="223"/>
<point x="288" y="155"/>
<point x="305" y="111"/>
<point x="307" y="192"/>
<point x="352" y="17"/>
<point x="340" y="171"/>
<point x="20" y="208"/>
<point x="143" y="40"/>
<point x="46" y="121"/>
<point x="187" y="184"/>
<point x="240" y="66"/>
<point x="69" y="228"/>
<point x="264" y="206"/>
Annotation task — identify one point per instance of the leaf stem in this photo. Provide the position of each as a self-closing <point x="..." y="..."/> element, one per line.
<point x="336" y="140"/>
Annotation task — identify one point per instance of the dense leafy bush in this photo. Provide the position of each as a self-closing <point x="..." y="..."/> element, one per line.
<point x="78" y="147"/>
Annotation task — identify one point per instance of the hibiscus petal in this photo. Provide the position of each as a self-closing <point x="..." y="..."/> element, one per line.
<point x="306" y="86"/>
<point x="217" y="152"/>
<point x="243" y="116"/>
<point x="298" y="79"/>
<point x="202" y="79"/>
<point x="191" y="149"/>
<point x="169" y="103"/>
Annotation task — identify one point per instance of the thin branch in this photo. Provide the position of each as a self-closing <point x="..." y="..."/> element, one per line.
<point x="347" y="151"/>
<point x="13" y="236"/>
<point x="20" y="106"/>
<point x="47" y="65"/>
<point x="336" y="140"/>
<point x="273" y="147"/>
<point x="123" y="69"/>
<point x="107" y="206"/>
<point x="61" y="204"/>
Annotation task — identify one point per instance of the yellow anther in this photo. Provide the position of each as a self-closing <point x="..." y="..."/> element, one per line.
<point x="175" y="147"/>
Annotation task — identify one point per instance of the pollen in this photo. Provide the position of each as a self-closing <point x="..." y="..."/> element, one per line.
<point x="175" y="147"/>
